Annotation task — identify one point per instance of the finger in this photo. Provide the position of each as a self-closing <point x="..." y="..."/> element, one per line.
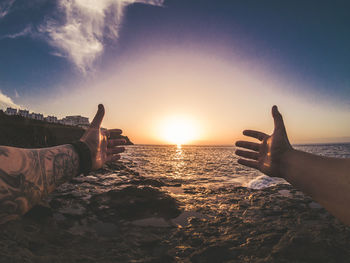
<point x="252" y="164"/>
<point x="277" y="117"/>
<point x="248" y="145"/>
<point x="255" y="134"/>
<point x="115" y="150"/>
<point x="248" y="154"/>
<point x="96" y="122"/>
<point x="116" y="142"/>
<point x="113" y="158"/>
<point x="111" y="132"/>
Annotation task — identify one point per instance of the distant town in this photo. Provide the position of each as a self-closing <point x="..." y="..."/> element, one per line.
<point x="75" y="120"/>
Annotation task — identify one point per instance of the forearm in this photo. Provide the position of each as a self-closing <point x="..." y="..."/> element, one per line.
<point x="327" y="180"/>
<point x="28" y="175"/>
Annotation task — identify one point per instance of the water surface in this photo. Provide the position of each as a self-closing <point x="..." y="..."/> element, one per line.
<point x="209" y="166"/>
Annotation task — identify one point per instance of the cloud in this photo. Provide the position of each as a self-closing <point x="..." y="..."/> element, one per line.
<point x="26" y="31"/>
<point x="80" y="35"/>
<point x="6" y="101"/>
<point x="5" y="7"/>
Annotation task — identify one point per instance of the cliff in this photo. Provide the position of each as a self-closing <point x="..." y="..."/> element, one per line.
<point x="27" y="133"/>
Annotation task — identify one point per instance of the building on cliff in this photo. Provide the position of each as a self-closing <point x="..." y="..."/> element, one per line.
<point x="11" y="111"/>
<point x="36" y="116"/>
<point x="75" y="120"/>
<point x="23" y="113"/>
<point x="52" y="119"/>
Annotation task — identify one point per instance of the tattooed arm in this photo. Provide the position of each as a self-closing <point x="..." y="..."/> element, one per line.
<point x="29" y="175"/>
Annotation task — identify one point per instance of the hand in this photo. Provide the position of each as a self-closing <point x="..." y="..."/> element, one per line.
<point x="102" y="148"/>
<point x="266" y="156"/>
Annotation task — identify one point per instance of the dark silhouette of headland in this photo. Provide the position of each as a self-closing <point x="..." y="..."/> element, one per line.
<point x="18" y="131"/>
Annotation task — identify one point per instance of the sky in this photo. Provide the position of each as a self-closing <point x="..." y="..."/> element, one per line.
<point x="218" y="65"/>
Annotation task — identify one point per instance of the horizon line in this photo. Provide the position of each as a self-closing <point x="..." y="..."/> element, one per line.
<point x="226" y="145"/>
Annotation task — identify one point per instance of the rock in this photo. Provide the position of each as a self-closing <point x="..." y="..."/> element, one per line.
<point x="300" y="246"/>
<point x="39" y="212"/>
<point x="213" y="254"/>
<point x="134" y="203"/>
<point x="315" y="205"/>
<point x="117" y="215"/>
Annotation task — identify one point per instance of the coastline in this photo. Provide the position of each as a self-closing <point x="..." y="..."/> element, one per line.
<point x="18" y="131"/>
<point x="117" y="215"/>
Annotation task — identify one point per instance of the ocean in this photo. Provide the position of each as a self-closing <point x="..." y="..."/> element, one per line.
<point x="210" y="166"/>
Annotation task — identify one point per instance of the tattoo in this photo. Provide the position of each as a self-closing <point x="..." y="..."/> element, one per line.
<point x="4" y="151"/>
<point x="28" y="175"/>
<point x="64" y="166"/>
<point x="17" y="195"/>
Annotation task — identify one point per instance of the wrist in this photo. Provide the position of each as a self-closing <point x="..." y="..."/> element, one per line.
<point x="284" y="166"/>
<point x="84" y="153"/>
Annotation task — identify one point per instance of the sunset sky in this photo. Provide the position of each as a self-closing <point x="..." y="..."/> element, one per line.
<point x="218" y="66"/>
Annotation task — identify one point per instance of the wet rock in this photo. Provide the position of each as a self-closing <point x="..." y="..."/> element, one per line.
<point x="152" y="222"/>
<point x="106" y="229"/>
<point x="213" y="254"/>
<point x="134" y="202"/>
<point x="302" y="246"/>
<point x="117" y="215"/>
<point x="151" y="182"/>
<point x="315" y="205"/>
<point x="39" y="213"/>
<point x="74" y="210"/>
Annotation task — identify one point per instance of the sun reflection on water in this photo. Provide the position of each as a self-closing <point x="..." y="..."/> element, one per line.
<point x="179" y="163"/>
<point x="178" y="153"/>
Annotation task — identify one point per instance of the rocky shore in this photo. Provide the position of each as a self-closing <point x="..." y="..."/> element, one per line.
<point x="116" y="215"/>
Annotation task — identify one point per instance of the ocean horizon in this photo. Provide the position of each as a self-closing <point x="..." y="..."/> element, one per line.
<point x="233" y="144"/>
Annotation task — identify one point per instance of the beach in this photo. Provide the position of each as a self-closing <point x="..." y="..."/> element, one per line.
<point x="119" y="214"/>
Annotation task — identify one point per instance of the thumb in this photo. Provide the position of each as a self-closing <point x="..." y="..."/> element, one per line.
<point x="277" y="117"/>
<point x="96" y="122"/>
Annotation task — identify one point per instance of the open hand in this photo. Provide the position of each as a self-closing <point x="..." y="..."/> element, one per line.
<point x="103" y="149"/>
<point x="265" y="156"/>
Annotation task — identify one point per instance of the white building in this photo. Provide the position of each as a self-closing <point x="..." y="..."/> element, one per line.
<point x="11" y="111"/>
<point x="36" y="116"/>
<point x="67" y="122"/>
<point x="23" y="113"/>
<point x="51" y="119"/>
<point x="76" y="120"/>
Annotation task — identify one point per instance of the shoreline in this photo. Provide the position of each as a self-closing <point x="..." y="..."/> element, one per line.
<point x="117" y="215"/>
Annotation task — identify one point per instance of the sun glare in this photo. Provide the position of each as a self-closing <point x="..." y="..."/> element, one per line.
<point x="179" y="130"/>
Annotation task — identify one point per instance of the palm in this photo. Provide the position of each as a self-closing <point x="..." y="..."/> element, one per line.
<point x="97" y="145"/>
<point x="266" y="155"/>
<point x="101" y="147"/>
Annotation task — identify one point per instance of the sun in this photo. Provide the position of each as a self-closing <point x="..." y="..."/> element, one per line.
<point x="179" y="130"/>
